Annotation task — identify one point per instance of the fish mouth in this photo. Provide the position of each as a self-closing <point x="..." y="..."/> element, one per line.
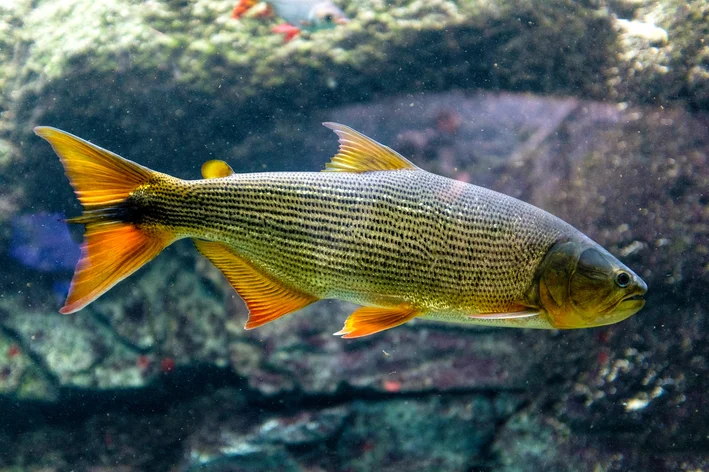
<point x="635" y="300"/>
<point x="631" y="304"/>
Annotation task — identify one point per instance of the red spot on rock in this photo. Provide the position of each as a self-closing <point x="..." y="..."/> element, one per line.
<point x="448" y="121"/>
<point x="143" y="362"/>
<point x="366" y="446"/>
<point x="603" y="358"/>
<point x="167" y="365"/>
<point x="288" y="31"/>
<point x="603" y="336"/>
<point x="391" y="386"/>
<point x="13" y="351"/>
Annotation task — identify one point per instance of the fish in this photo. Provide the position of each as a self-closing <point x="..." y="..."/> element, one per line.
<point x="302" y="14"/>
<point x="372" y="228"/>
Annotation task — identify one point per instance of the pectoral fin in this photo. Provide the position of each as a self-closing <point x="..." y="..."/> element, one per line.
<point x="370" y="320"/>
<point x="266" y="297"/>
<point x="505" y="316"/>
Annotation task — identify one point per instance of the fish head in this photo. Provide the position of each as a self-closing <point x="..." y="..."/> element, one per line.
<point x="327" y="15"/>
<point x="581" y="285"/>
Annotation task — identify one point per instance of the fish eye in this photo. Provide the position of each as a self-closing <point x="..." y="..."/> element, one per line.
<point x="328" y="17"/>
<point x="622" y="279"/>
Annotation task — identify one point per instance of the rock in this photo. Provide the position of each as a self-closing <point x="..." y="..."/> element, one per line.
<point x="20" y="376"/>
<point x="256" y="441"/>
<point x="438" y="434"/>
<point x="644" y="31"/>
<point x="223" y="431"/>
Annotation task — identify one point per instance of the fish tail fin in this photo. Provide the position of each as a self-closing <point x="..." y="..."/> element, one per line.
<point x="114" y="245"/>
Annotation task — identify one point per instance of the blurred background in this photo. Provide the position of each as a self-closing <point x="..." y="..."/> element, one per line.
<point x="593" y="110"/>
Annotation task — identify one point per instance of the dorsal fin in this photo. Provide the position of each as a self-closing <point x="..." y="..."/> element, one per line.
<point x="358" y="153"/>
<point x="215" y="168"/>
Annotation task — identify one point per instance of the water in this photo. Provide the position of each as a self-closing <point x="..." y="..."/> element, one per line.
<point x="594" y="112"/>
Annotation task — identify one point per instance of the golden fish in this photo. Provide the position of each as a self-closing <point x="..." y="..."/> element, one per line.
<point x="372" y="229"/>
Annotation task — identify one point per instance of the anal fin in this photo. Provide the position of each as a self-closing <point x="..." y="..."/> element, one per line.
<point x="370" y="320"/>
<point x="266" y="297"/>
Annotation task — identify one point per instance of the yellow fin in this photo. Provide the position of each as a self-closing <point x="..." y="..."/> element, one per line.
<point x="99" y="177"/>
<point x="370" y="320"/>
<point x="266" y="298"/>
<point x="358" y="153"/>
<point x="110" y="253"/>
<point x="113" y="246"/>
<point x="214" y="169"/>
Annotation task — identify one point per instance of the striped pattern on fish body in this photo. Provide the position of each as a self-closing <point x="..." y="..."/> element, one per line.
<point x="378" y="238"/>
<point x="374" y="230"/>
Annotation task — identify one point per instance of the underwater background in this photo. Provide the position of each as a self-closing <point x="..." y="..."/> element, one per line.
<point x="595" y="111"/>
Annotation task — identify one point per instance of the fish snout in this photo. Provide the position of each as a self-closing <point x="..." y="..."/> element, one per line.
<point x="642" y="286"/>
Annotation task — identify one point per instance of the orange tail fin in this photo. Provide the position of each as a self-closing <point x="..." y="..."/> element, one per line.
<point x="113" y="247"/>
